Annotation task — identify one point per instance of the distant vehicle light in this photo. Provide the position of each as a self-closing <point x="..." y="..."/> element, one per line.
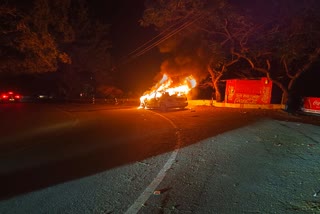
<point x="10" y="96"/>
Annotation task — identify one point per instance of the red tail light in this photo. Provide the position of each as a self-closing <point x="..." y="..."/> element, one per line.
<point x="17" y="96"/>
<point x="4" y="96"/>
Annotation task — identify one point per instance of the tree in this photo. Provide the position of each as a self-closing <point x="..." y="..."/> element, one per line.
<point x="286" y="45"/>
<point x="227" y="34"/>
<point x="30" y="39"/>
<point x="48" y="36"/>
<point x="91" y="63"/>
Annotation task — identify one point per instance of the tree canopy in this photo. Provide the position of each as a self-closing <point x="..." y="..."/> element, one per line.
<point x="278" y="40"/>
<point x="90" y="53"/>
<point x="30" y="37"/>
<point x="63" y="36"/>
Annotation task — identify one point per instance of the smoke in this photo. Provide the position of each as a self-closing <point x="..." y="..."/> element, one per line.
<point x="186" y="61"/>
<point x="184" y="58"/>
<point x="179" y="67"/>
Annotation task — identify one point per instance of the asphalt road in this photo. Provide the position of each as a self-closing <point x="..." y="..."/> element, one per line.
<point x="117" y="159"/>
<point x="50" y="144"/>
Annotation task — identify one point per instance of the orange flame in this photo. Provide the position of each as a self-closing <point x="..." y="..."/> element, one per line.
<point x="164" y="84"/>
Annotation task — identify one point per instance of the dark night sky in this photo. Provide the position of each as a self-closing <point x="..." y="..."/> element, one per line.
<point x="127" y="35"/>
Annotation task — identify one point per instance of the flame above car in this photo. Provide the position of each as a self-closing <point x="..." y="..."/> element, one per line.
<point x="167" y="85"/>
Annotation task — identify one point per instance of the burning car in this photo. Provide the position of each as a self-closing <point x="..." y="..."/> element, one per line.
<point x="166" y="94"/>
<point x="165" y="101"/>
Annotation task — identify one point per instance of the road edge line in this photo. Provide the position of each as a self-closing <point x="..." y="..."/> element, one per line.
<point x="145" y="195"/>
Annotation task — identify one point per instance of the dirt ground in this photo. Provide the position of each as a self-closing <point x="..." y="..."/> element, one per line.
<point x="243" y="161"/>
<point x="276" y="114"/>
<point x="278" y="167"/>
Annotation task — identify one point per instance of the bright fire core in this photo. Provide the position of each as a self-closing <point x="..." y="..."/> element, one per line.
<point x="166" y="85"/>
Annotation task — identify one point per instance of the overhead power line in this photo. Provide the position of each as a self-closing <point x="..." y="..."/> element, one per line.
<point x="160" y="34"/>
<point x="169" y="32"/>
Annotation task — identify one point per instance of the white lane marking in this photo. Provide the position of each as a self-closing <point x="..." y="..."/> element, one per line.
<point x="136" y="206"/>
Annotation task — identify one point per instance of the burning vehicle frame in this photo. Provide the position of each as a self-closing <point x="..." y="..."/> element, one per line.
<point x="165" y="101"/>
<point x="163" y="96"/>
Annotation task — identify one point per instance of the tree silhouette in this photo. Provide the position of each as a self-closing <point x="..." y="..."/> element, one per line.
<point x="30" y="39"/>
<point x="90" y="53"/>
<point x="286" y="45"/>
<point x="278" y="40"/>
<point x="56" y="36"/>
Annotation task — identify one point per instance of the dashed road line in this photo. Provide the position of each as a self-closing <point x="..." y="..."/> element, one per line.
<point x="139" y="203"/>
